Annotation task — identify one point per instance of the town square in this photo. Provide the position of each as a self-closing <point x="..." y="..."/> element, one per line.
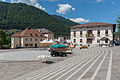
<point x="59" y="40"/>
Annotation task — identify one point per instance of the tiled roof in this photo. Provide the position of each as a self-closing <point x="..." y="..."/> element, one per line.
<point x="44" y="31"/>
<point x="93" y="24"/>
<point x="29" y="33"/>
<point x="16" y="34"/>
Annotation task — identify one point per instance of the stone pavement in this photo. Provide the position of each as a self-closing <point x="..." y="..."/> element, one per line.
<point x="116" y="64"/>
<point x="88" y="64"/>
<point x="22" y="55"/>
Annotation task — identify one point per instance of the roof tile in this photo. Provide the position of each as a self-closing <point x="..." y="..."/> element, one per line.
<point x="29" y="33"/>
<point x="93" y="24"/>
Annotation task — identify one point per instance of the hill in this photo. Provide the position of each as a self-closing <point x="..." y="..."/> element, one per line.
<point x="20" y="15"/>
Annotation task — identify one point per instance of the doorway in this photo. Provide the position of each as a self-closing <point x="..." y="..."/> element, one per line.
<point x="89" y="40"/>
<point x="35" y="45"/>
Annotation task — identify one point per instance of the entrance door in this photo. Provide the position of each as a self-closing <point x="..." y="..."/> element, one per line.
<point x="89" y="40"/>
<point x="35" y="45"/>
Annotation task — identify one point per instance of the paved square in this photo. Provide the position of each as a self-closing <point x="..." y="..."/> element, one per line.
<point x="88" y="64"/>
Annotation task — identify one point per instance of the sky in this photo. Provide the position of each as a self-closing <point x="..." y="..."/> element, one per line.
<point x="80" y="11"/>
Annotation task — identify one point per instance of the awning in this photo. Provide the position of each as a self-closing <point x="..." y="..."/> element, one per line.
<point x="104" y="38"/>
<point x="58" y="46"/>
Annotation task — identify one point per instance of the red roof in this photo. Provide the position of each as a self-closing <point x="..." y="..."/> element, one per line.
<point x="29" y="33"/>
<point x="93" y="24"/>
<point x="16" y="34"/>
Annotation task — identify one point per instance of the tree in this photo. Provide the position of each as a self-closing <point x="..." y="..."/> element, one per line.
<point x="118" y="20"/>
<point x="20" y="15"/>
<point x="5" y="39"/>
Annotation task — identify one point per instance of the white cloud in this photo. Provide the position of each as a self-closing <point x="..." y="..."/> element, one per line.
<point x="14" y="1"/>
<point x="64" y="8"/>
<point x="95" y="1"/>
<point x="79" y="20"/>
<point x="99" y="0"/>
<point x="73" y="9"/>
<point x="29" y="2"/>
<point x="39" y="6"/>
<point x="4" y="0"/>
<point x="113" y="2"/>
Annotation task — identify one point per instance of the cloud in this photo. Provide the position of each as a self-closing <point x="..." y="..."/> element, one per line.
<point x="73" y="9"/>
<point x="29" y="2"/>
<point x="4" y="0"/>
<point x="79" y="20"/>
<point x="99" y="0"/>
<point x="95" y="1"/>
<point x="39" y="6"/>
<point x="64" y="8"/>
<point x="50" y="0"/>
<point x="113" y="2"/>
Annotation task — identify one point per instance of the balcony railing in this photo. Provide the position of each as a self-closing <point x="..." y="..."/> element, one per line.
<point x="89" y="35"/>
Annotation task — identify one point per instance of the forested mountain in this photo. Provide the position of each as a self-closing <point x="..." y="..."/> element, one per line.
<point x="20" y="15"/>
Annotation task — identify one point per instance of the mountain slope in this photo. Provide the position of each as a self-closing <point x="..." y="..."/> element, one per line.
<point x="20" y="16"/>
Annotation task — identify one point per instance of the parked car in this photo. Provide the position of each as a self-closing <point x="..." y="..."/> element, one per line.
<point x="117" y="43"/>
<point x="83" y="47"/>
<point x="55" y="53"/>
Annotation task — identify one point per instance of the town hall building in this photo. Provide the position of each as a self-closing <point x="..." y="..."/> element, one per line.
<point x="92" y="34"/>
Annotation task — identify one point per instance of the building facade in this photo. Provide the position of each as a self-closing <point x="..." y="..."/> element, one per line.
<point x="92" y="34"/>
<point x="49" y="34"/>
<point x="27" y="38"/>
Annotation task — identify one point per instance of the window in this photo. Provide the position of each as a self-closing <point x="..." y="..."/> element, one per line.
<point x="74" y="40"/>
<point x="35" y="39"/>
<point x="98" y="33"/>
<point x="26" y="39"/>
<point x="98" y="41"/>
<point x="26" y="45"/>
<point x="40" y="39"/>
<point x="89" y="40"/>
<point x="31" y="44"/>
<point x="106" y="40"/>
<point x="80" y="40"/>
<point x="89" y="32"/>
<point x="74" y="34"/>
<point x="106" y="32"/>
<point x="80" y="44"/>
<point x="80" y="33"/>
<point x="36" y="35"/>
<point x="30" y="34"/>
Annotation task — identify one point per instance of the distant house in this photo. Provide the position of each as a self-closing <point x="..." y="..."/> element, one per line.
<point x="49" y="34"/>
<point x="27" y="38"/>
<point x="62" y="39"/>
<point x="93" y="34"/>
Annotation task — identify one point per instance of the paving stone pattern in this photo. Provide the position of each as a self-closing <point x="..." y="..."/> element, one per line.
<point x="88" y="64"/>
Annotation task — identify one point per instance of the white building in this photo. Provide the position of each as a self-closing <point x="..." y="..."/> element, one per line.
<point x="27" y="38"/>
<point x="93" y="34"/>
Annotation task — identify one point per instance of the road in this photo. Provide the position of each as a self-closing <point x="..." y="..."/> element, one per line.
<point x="88" y="64"/>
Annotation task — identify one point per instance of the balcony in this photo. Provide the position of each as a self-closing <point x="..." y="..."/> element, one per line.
<point x="89" y="35"/>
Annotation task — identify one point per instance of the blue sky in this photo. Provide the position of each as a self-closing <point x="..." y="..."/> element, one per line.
<point x="80" y="11"/>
